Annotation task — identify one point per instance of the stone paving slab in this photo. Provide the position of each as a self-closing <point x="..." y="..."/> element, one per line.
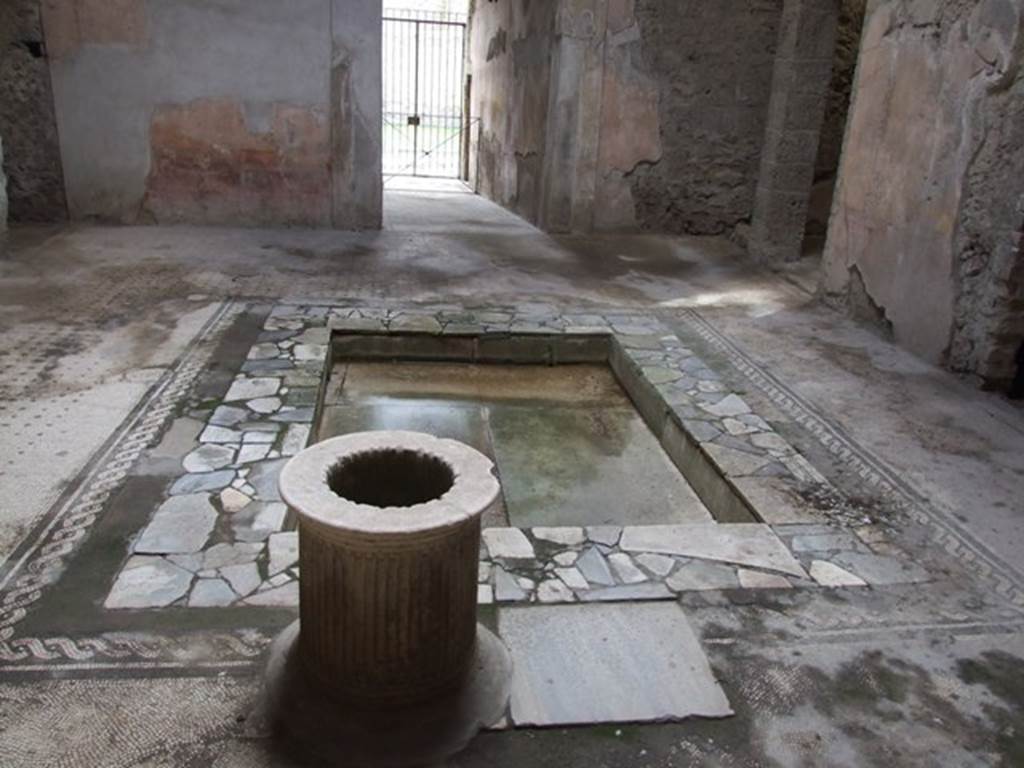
<point x="625" y="663"/>
<point x="753" y="545"/>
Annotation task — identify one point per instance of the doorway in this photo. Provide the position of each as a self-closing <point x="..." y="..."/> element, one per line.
<point x="425" y="127"/>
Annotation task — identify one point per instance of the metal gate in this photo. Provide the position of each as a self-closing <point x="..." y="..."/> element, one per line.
<point x="424" y="95"/>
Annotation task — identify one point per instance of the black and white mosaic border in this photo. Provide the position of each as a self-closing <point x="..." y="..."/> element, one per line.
<point x="69" y="524"/>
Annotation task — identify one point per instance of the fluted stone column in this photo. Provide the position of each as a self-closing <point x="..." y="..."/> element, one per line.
<point x="389" y="543"/>
<point x="389" y="539"/>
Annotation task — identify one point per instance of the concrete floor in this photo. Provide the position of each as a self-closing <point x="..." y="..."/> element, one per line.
<point x="91" y="317"/>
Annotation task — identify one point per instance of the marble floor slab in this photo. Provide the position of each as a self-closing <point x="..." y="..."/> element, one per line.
<point x="607" y="663"/>
<point x="752" y="545"/>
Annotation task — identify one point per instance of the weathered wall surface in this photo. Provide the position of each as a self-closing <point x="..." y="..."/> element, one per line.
<point x="833" y="129"/>
<point x="27" y="123"/>
<point x="3" y="196"/>
<point x="510" y="48"/>
<point x="926" y="226"/>
<point x="712" y="63"/>
<point x="225" y="112"/>
<point x="645" y="114"/>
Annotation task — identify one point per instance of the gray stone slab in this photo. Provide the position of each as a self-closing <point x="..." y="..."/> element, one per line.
<point x="595" y="568"/>
<point x="294" y="415"/>
<point x="628" y="592"/>
<point x="179" y="439"/>
<point x="251" y="452"/>
<point x="243" y="578"/>
<point x="752" y="545"/>
<point x="733" y="462"/>
<point x="508" y="544"/>
<point x="572" y="578"/>
<point x="554" y="591"/>
<point x="215" y="434"/>
<point x="264" y="367"/>
<point x="827" y="542"/>
<point x="506" y="589"/>
<point x="248" y="389"/>
<point x="621" y="663"/>
<point x="148" y="582"/>
<point x="881" y="569"/>
<point x="659" y="565"/>
<point x="207" y="458"/>
<point x="284" y="551"/>
<point x="264" y="405"/>
<point x="624" y="568"/>
<point x="759" y="580"/>
<point x="730" y="405"/>
<point x="831" y="575"/>
<point x="295" y="439"/>
<point x="181" y="525"/>
<point x="211" y="593"/>
<point x="604" y="534"/>
<point x="202" y="481"/>
<point x="221" y="555"/>
<point x="699" y="575"/>
<point x="263" y="478"/>
<point x="564" y="536"/>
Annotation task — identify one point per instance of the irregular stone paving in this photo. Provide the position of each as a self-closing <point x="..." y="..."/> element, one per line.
<point x="607" y="563"/>
<point x="218" y="537"/>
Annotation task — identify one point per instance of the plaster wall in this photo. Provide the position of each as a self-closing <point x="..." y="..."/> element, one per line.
<point x="219" y="112"/>
<point x="27" y="122"/>
<point x="638" y="121"/>
<point x="925" y="235"/>
<point x="510" y="48"/>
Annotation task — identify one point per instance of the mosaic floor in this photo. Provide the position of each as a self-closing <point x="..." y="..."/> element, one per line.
<point x="176" y="551"/>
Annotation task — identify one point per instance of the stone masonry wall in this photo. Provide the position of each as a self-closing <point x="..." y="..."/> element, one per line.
<point x="27" y="123"/>
<point x="712" y="63"/>
<point x="926" y="227"/>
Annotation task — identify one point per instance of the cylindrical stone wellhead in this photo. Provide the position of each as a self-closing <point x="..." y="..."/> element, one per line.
<point x="389" y="540"/>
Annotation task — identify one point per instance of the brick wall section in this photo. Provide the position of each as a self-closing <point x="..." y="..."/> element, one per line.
<point x="800" y="80"/>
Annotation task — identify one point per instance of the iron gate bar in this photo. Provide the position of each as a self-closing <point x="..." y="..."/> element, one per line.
<point x="431" y="100"/>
